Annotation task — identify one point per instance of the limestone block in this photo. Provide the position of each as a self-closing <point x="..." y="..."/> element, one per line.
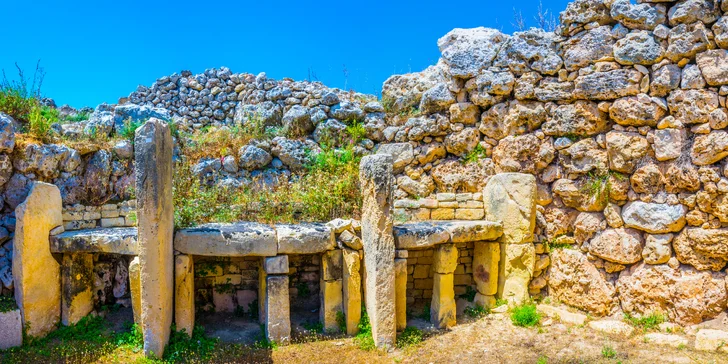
<point x="135" y="288"/>
<point x="331" y="265"/>
<point x="277" y="309"/>
<point x="443" y="309"/>
<point x="564" y="315"/>
<point x="419" y="235"/>
<point x="511" y="198"/>
<point x="445" y="259"/>
<point x="612" y="327"/>
<point x="184" y="293"/>
<point x="11" y="334"/>
<point x="400" y="283"/>
<point x="276" y="265"/>
<point x="309" y="238"/>
<point x="331" y="304"/>
<point x="234" y="239"/>
<point x="153" y="172"/>
<point x="515" y="272"/>
<point x="262" y="292"/>
<point x="36" y="272"/>
<point x="486" y="257"/>
<point x="711" y="340"/>
<point x="469" y="231"/>
<point x="375" y="173"/>
<point x="77" y="274"/>
<point x="484" y="300"/>
<point x="113" y="240"/>
<point x="352" y="290"/>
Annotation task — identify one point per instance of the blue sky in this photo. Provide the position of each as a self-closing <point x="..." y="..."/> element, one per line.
<point x="98" y="51"/>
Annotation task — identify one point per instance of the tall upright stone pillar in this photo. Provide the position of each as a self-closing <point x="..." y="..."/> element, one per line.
<point x="511" y="199"/>
<point x="135" y="288"/>
<point x="76" y="282"/>
<point x="400" y="283"/>
<point x="331" y="289"/>
<point x="184" y="293"/>
<point x="277" y="322"/>
<point x="375" y="173"/>
<point x="155" y="213"/>
<point x="37" y="273"/>
<point x="443" y="312"/>
<point x="352" y="290"/>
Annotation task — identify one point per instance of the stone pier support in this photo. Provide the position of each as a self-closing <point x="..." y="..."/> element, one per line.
<point x="486" y="256"/>
<point x="277" y="307"/>
<point x="184" y="293"/>
<point x="135" y="288"/>
<point x="400" y="284"/>
<point x="352" y="290"/>
<point x="331" y="289"/>
<point x="155" y="212"/>
<point x="511" y="199"/>
<point x="77" y="274"/>
<point x="443" y="310"/>
<point x="375" y="173"/>
<point x="37" y="273"/>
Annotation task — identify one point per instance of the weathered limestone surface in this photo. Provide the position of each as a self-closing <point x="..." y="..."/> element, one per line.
<point x="576" y="282"/>
<point x="276" y="265"/>
<point x="135" y="288"/>
<point x="470" y="231"/>
<point x="77" y="279"/>
<point x="308" y="238"/>
<point x="184" y="293"/>
<point x="420" y="235"/>
<point x="113" y="240"/>
<point x="277" y="309"/>
<point x="442" y="309"/>
<point x="511" y="199"/>
<point x="331" y="289"/>
<point x="153" y="172"/>
<point x="485" y="267"/>
<point x="352" y="290"/>
<point x="400" y="271"/>
<point x="36" y="271"/>
<point x="11" y="334"/>
<point x="375" y="173"/>
<point x="234" y="239"/>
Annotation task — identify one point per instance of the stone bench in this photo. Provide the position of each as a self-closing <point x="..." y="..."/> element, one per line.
<point x="427" y="234"/>
<point x="101" y="240"/>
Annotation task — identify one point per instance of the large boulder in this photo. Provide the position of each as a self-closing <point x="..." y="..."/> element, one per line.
<point x="468" y="51"/>
<point x="7" y="133"/>
<point x="453" y="176"/>
<point x="608" y="85"/>
<point x="690" y="11"/>
<point x="403" y="92"/>
<point x="574" y="280"/>
<point x="297" y="120"/>
<point x="534" y="49"/>
<point x="640" y="110"/>
<point x="638" y="16"/>
<point x="436" y="99"/>
<point x="685" y="295"/>
<point x="621" y="246"/>
<point x="524" y="153"/>
<point x="654" y="218"/>
<point x="714" y="66"/>
<point x="686" y="40"/>
<point x="581" y="118"/>
<point x="693" y="106"/>
<point x="251" y="158"/>
<point x="402" y="154"/>
<point x="709" y="148"/>
<point x="704" y="249"/>
<point x="638" y="47"/>
<point x="581" y="12"/>
<point x="588" y="47"/>
<point x="625" y="150"/>
<point x="293" y="153"/>
<point x="97" y="177"/>
<point x="512" y="118"/>
<point x="126" y="113"/>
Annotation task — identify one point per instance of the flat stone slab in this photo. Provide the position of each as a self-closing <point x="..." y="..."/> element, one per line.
<point x="309" y="238"/>
<point x="232" y="239"/>
<point x="112" y="240"/>
<point x="11" y="333"/>
<point x="419" y="235"/>
<point x="465" y="231"/>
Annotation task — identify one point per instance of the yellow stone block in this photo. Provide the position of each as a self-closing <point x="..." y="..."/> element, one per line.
<point x="443" y="310"/>
<point x="77" y="274"/>
<point x="352" y="290"/>
<point x="184" y="294"/>
<point x="486" y="257"/>
<point x="516" y="271"/>
<point x="469" y="214"/>
<point x="400" y="288"/>
<point x="135" y="287"/>
<point x="442" y="214"/>
<point x="445" y="258"/>
<point x="261" y="292"/>
<point x="511" y="198"/>
<point x="331" y="304"/>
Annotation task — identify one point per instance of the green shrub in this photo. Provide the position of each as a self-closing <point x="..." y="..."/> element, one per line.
<point x="128" y="131"/>
<point x="82" y="116"/>
<point x="357" y="132"/>
<point x="181" y="346"/>
<point x="475" y="155"/>
<point x="411" y="336"/>
<point x="341" y="321"/>
<point x="609" y="352"/>
<point x="476" y="311"/>
<point x="315" y="327"/>
<point x="364" y="338"/>
<point x="647" y="322"/>
<point x="525" y="315"/>
<point x="40" y="120"/>
<point x="131" y="338"/>
<point x="18" y="98"/>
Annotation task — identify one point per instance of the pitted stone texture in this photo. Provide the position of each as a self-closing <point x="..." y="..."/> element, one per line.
<point x="468" y="51"/>
<point x="276" y="265"/>
<point x="485" y="267"/>
<point x="352" y="289"/>
<point x="638" y="16"/>
<point x="445" y="259"/>
<point x="511" y="199"/>
<point x="35" y="271"/>
<point x="135" y="289"/>
<point x="77" y="299"/>
<point x="516" y="271"/>
<point x="704" y="249"/>
<point x="421" y="235"/>
<point x="375" y="174"/>
<point x="621" y="246"/>
<point x="184" y="294"/>
<point x="685" y="295"/>
<point x="153" y="171"/>
<point x="608" y="85"/>
<point x="114" y="240"/>
<point x="471" y="231"/>
<point x="231" y="239"/>
<point x="709" y="148"/>
<point x="12" y="333"/>
<point x="277" y="311"/>
<point x="654" y="218"/>
<point x="577" y="282"/>
<point x="400" y="278"/>
<point x="442" y="309"/>
<point x="402" y="154"/>
<point x="308" y="238"/>
<point x="533" y="49"/>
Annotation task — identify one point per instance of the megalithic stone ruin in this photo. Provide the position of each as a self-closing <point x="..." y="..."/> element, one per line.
<point x="375" y="173"/>
<point x="153" y="172"/>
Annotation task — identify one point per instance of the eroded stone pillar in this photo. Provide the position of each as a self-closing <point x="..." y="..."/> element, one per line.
<point x="277" y="310"/>
<point x="155" y="213"/>
<point x="184" y="293"/>
<point x="375" y="173"/>
<point x="486" y="257"/>
<point x="352" y="290"/>
<point x="135" y="288"/>
<point x="400" y="284"/>
<point x="77" y="274"/>
<point x="37" y="273"/>
<point x="443" y="312"/>
<point x="331" y="289"/>
<point x="511" y="199"/>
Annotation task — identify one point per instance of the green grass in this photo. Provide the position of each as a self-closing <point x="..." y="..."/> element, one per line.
<point x="476" y="311"/>
<point x="364" y="338"/>
<point x="7" y="303"/>
<point x="646" y="322"/>
<point x="357" y="132"/>
<point x="341" y="321"/>
<point x="608" y="352"/>
<point x="315" y="327"/>
<point x="81" y="116"/>
<point x="128" y="131"/>
<point x="474" y="156"/>
<point x="525" y="315"/>
<point x="411" y="336"/>
<point x="542" y="360"/>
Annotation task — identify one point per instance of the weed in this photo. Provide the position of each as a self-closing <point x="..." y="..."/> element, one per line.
<point x="525" y="315"/>
<point x="225" y="288"/>
<point x="411" y="336"/>
<point x="357" y="131"/>
<point x="542" y="360"/>
<point x="647" y="322"/>
<point x="132" y="338"/>
<point x="608" y="352"/>
<point x="500" y="302"/>
<point x="425" y="314"/>
<point x="475" y="155"/>
<point x="476" y="311"/>
<point x="469" y="294"/>
<point x="128" y="131"/>
<point x="316" y="327"/>
<point x="181" y="346"/>
<point x="40" y="120"/>
<point x="7" y="303"/>
<point x="74" y="118"/>
<point x="364" y="338"/>
<point x="341" y="321"/>
<point x="17" y="98"/>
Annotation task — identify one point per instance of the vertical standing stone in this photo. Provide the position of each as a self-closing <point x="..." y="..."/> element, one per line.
<point x="77" y="274"/>
<point x="11" y="334"/>
<point x="375" y="173"/>
<point x="277" y="309"/>
<point x="486" y="256"/>
<point x="155" y="213"/>
<point x="352" y="290"/>
<point x="443" y="310"/>
<point x="511" y="199"/>
<point x="262" y="292"/>
<point x="37" y="273"/>
<point x="331" y="290"/>
<point x="135" y="288"/>
<point x="184" y="294"/>
<point x="400" y="284"/>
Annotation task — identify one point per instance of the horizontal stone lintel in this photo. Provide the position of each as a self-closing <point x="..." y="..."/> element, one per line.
<point x="427" y="234"/>
<point x="100" y="240"/>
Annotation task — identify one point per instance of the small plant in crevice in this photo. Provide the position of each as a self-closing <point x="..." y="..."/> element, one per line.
<point x="315" y="327"/>
<point x="474" y="156"/>
<point x="476" y="311"/>
<point x="364" y="338"/>
<point x="128" y="131"/>
<point x="646" y="322"/>
<point x="425" y="314"/>
<point x="608" y="352"/>
<point x="525" y="315"/>
<point x="411" y="336"/>
<point x="597" y="185"/>
<point x="469" y="294"/>
<point x="341" y="321"/>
